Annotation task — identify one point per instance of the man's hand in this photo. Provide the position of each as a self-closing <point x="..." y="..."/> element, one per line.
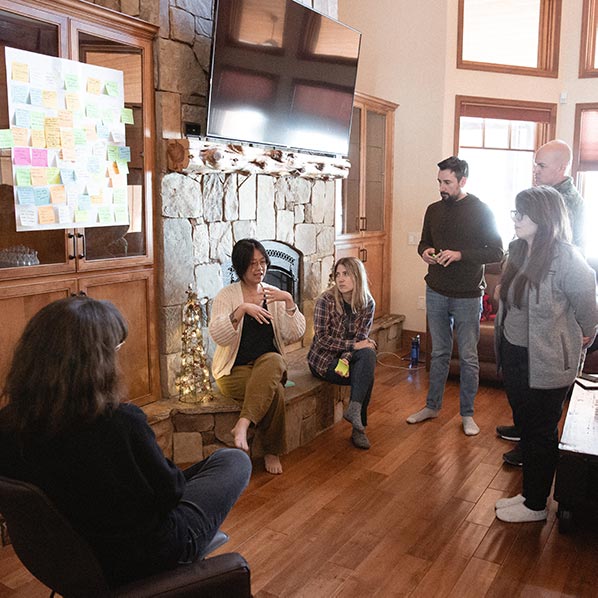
<point x="447" y="256"/>
<point x="427" y="256"/>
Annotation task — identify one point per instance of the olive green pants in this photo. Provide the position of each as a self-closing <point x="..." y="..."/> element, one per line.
<point x="259" y="387"/>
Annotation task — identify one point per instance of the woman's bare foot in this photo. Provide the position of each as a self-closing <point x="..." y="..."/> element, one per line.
<point x="239" y="433"/>
<point x="273" y="464"/>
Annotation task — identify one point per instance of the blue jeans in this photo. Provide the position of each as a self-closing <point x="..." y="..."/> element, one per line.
<point x="361" y="378"/>
<point x="213" y="486"/>
<point x="462" y="314"/>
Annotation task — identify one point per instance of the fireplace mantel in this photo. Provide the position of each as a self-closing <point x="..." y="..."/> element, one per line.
<point x="196" y="156"/>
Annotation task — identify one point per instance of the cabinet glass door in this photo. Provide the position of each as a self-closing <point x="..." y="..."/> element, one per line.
<point x="349" y="221"/>
<point x="106" y="243"/>
<point x="375" y="167"/>
<point x="37" y="252"/>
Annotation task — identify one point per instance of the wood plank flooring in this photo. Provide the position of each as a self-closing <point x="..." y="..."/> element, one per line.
<point x="413" y="516"/>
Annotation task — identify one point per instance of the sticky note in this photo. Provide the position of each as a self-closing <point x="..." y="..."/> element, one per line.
<point x="39" y="157"/>
<point x="46" y="215"/>
<point x="53" y="175"/>
<point x="64" y="214"/>
<point x="92" y="111"/>
<point x="65" y="118"/>
<point x="103" y="131"/>
<point x="72" y="101"/>
<point x="113" y="153"/>
<point x="126" y="116"/>
<point x="94" y="86"/>
<point x="23" y="176"/>
<point x="121" y="213"/>
<point x="6" y="138"/>
<point x="57" y="194"/>
<point x="67" y="138"/>
<point x="71" y="82"/>
<point x="38" y="176"/>
<point x="112" y="88"/>
<point x="28" y="215"/>
<point x="22" y="118"/>
<point x="37" y="120"/>
<point x="119" y="196"/>
<point x="35" y="95"/>
<point x="124" y="154"/>
<point x="38" y="138"/>
<point x="20" y="72"/>
<point x="49" y="98"/>
<point x="84" y="202"/>
<point x="67" y="175"/>
<point x="105" y="214"/>
<point x="91" y="132"/>
<point x="80" y="136"/>
<point x="123" y="167"/>
<point x="81" y="216"/>
<point x="20" y="94"/>
<point x="25" y="196"/>
<point x="41" y="196"/>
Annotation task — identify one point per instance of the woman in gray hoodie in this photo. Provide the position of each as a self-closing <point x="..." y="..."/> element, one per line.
<point x="547" y="314"/>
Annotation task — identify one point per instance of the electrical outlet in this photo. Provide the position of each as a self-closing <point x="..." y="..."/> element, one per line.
<point x="421" y="302"/>
<point x="412" y="239"/>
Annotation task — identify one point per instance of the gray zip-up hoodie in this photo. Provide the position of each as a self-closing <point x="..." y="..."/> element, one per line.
<point x="561" y="310"/>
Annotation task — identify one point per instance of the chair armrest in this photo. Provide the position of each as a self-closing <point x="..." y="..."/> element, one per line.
<point x="223" y="575"/>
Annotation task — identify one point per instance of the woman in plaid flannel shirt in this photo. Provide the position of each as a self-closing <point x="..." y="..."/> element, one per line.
<point x="341" y="351"/>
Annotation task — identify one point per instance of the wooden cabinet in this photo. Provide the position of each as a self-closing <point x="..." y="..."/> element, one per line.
<point x="365" y="206"/>
<point x="108" y="262"/>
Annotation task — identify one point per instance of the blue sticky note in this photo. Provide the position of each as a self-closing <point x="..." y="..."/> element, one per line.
<point x="22" y="119"/>
<point x="36" y="96"/>
<point x="84" y="202"/>
<point x="26" y="196"/>
<point x="67" y="175"/>
<point x="20" y="94"/>
<point x="124" y="154"/>
<point x="41" y="196"/>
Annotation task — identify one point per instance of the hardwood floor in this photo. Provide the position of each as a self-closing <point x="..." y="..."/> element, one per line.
<point x="413" y="516"/>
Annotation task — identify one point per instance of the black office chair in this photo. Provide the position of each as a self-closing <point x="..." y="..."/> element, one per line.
<point x="62" y="560"/>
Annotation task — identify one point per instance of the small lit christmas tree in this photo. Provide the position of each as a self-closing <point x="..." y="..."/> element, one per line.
<point x="193" y="380"/>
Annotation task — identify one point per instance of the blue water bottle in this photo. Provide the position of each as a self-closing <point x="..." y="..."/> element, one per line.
<point x="414" y="352"/>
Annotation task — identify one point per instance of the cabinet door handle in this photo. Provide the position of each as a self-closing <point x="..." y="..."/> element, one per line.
<point x="82" y="255"/>
<point x="73" y="254"/>
<point x="364" y="223"/>
<point x="357" y="223"/>
<point x="365" y="256"/>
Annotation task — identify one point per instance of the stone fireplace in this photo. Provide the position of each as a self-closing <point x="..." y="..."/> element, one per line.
<point x="203" y="215"/>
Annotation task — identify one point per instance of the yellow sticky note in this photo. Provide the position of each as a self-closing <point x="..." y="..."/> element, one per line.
<point x="97" y="199"/>
<point x="49" y="99"/>
<point x="65" y="118"/>
<point x="46" y="215"/>
<point x="126" y="116"/>
<point x="20" y="72"/>
<point x="38" y="138"/>
<point x="81" y="215"/>
<point x="38" y="176"/>
<point x="53" y="176"/>
<point x="73" y="102"/>
<point x="20" y="136"/>
<point x="57" y="194"/>
<point x="94" y="86"/>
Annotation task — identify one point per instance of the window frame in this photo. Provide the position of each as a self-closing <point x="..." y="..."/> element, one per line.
<point x="588" y="66"/>
<point x="579" y="109"/>
<point x="548" y="45"/>
<point x="545" y="133"/>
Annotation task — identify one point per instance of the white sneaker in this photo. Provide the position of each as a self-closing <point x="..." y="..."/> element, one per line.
<point x="519" y="513"/>
<point x="501" y="503"/>
<point x="469" y="426"/>
<point x="422" y="415"/>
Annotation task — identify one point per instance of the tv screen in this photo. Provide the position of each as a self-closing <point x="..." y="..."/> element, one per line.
<point x="282" y="75"/>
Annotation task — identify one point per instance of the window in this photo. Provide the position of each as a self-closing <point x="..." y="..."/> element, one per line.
<point x="509" y="36"/>
<point x="585" y="168"/>
<point x="588" y="60"/>
<point x="498" y="138"/>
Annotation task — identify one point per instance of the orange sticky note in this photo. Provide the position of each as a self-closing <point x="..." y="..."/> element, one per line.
<point x="65" y="118"/>
<point x="38" y="138"/>
<point x="49" y="99"/>
<point x="57" y="194"/>
<point x="67" y="138"/>
<point x="94" y="86"/>
<point x="20" y="72"/>
<point x="20" y="136"/>
<point x="39" y="177"/>
<point x="46" y="215"/>
<point x="73" y="102"/>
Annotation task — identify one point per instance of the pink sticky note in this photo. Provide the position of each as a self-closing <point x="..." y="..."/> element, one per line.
<point x="22" y="156"/>
<point x="39" y="157"/>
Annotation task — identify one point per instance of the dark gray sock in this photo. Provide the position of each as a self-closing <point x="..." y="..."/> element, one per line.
<point x="353" y="415"/>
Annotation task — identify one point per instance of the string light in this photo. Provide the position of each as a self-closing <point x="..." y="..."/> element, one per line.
<point x="193" y="380"/>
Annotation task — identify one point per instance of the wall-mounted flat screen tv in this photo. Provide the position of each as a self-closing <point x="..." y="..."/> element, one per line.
<point x="282" y="75"/>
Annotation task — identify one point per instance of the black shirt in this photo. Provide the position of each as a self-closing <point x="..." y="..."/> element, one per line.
<point x="256" y="339"/>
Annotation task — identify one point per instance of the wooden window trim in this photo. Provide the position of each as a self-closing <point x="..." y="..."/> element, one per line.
<point x="548" y="45"/>
<point x="579" y="109"/>
<point x="589" y="35"/>
<point x="540" y="112"/>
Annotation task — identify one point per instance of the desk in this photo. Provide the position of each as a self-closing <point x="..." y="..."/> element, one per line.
<point x="577" y="470"/>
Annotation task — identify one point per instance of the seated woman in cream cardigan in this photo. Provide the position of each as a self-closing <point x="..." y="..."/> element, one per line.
<point x="251" y="323"/>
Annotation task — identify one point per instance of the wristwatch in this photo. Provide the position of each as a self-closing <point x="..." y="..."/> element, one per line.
<point x="232" y="318"/>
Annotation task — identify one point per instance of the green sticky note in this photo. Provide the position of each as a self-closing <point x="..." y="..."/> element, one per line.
<point x="53" y="176"/>
<point x="71" y="82"/>
<point x="92" y="111"/>
<point x="112" y="88"/>
<point x="23" y="176"/>
<point x="80" y="136"/>
<point x="6" y="138"/>
<point x="38" y="120"/>
<point x="126" y="116"/>
<point x="105" y="215"/>
<point x="113" y="153"/>
<point x="121" y="213"/>
<point x="119" y="196"/>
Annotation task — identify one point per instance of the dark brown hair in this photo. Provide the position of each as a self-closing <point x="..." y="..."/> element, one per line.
<point x="544" y="205"/>
<point x="243" y="255"/>
<point x="64" y="371"/>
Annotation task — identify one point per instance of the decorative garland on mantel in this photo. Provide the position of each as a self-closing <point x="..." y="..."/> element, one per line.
<point x="196" y="156"/>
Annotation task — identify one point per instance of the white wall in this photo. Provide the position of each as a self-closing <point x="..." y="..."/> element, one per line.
<point x="409" y="56"/>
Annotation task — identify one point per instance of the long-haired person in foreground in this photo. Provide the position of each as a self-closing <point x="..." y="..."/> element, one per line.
<point x="341" y="351"/>
<point x="251" y="323"/>
<point x="547" y="314"/>
<point x="66" y="429"/>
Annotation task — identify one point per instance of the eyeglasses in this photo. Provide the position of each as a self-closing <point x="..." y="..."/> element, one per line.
<point x="517" y="216"/>
<point x="119" y="346"/>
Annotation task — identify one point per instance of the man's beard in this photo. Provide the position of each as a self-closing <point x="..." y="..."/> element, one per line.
<point x="448" y="198"/>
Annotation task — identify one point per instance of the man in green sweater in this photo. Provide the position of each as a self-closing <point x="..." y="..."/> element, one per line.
<point x="459" y="236"/>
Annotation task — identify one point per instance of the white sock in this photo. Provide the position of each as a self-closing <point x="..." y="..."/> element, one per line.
<point x="469" y="426"/>
<point x="422" y="415"/>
